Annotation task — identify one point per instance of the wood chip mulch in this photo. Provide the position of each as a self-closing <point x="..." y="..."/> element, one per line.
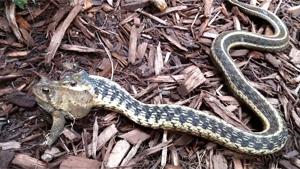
<point x="159" y="57"/>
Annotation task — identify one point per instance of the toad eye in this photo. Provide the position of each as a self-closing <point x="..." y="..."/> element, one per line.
<point x="73" y="83"/>
<point x="45" y="90"/>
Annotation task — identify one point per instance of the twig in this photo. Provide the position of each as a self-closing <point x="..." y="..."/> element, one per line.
<point x="108" y="54"/>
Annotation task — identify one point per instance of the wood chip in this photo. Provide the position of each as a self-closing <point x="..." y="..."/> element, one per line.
<point x="131" y="154"/>
<point x="167" y="78"/>
<point x="17" y="54"/>
<point x="82" y="49"/>
<point x="56" y="18"/>
<point x="295" y="10"/>
<point x="147" y="90"/>
<point x="291" y="154"/>
<point x="164" y="152"/>
<point x="174" y="42"/>
<point x="134" y="5"/>
<point x="71" y="135"/>
<point x="10" y="12"/>
<point x="103" y="137"/>
<point x="135" y="136"/>
<point x="161" y="57"/>
<point x="241" y="16"/>
<point x="296" y="118"/>
<point x="25" y="161"/>
<point x="72" y="162"/>
<point x="60" y="32"/>
<point x="4" y="25"/>
<point x="10" y="145"/>
<point x="132" y="44"/>
<point x="207" y="8"/>
<point x="175" y="156"/>
<point x="141" y="50"/>
<point x="6" y="157"/>
<point x="271" y="59"/>
<point x="158" y="62"/>
<point x="153" y="17"/>
<point x="95" y="138"/>
<point x="118" y="153"/>
<point x="193" y="78"/>
<point x="287" y="164"/>
<point x="147" y="152"/>
<point x="294" y="54"/>
<point x="237" y="164"/>
<point x="221" y="110"/>
<point x="219" y="162"/>
<point x="296" y="162"/>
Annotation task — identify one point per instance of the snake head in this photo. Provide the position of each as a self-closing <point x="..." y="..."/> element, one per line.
<point x="75" y="101"/>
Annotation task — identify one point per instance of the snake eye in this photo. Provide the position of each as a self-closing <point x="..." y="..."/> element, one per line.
<point x="45" y="90"/>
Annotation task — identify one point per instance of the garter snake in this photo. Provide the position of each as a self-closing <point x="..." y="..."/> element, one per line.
<point x="76" y="94"/>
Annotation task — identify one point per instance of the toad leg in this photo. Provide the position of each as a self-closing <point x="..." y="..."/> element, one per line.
<point x="57" y="127"/>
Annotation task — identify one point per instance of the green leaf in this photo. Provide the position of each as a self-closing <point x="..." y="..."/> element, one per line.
<point x="20" y="3"/>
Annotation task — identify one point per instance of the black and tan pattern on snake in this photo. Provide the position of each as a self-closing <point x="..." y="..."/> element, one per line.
<point x="76" y="94"/>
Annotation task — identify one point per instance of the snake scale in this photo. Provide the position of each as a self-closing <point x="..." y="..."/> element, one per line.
<point x="75" y="95"/>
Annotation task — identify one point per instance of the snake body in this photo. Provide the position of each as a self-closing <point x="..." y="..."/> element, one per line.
<point x="102" y="92"/>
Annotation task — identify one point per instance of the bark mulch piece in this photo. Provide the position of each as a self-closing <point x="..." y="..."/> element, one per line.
<point x="157" y="55"/>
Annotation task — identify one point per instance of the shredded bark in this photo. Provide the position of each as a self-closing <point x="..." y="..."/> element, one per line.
<point x="159" y="56"/>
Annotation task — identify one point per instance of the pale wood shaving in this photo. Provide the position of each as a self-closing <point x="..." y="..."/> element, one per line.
<point x="221" y="110"/>
<point x="118" y="153"/>
<point x="174" y="156"/>
<point x="135" y="136"/>
<point x="60" y="32"/>
<point x="164" y="152"/>
<point x="10" y="145"/>
<point x="237" y="164"/>
<point x="294" y="54"/>
<point x="295" y="10"/>
<point x="83" y="49"/>
<point x="103" y="137"/>
<point x="10" y="9"/>
<point x="71" y="135"/>
<point x="153" y="17"/>
<point x="219" y="161"/>
<point x="95" y="138"/>
<point x="133" y="44"/>
<point x="25" y="161"/>
<point x="133" y="151"/>
<point x="174" y="42"/>
<point x="158" y="62"/>
<point x="72" y="162"/>
<point x="193" y="78"/>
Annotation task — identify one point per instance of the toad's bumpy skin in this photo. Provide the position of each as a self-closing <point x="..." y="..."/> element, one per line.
<point x="61" y="102"/>
<point x="76" y="94"/>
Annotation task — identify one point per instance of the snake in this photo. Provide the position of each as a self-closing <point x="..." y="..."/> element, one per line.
<point x="77" y="93"/>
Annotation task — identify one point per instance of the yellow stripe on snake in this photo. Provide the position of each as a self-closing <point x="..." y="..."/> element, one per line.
<point x="76" y="94"/>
